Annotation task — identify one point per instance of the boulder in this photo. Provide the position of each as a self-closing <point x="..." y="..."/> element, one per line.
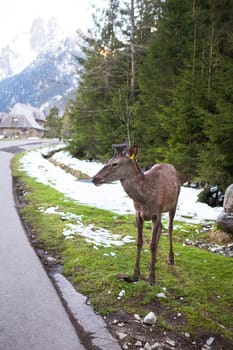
<point x="228" y="200"/>
<point x="225" y="218"/>
<point x="225" y="221"/>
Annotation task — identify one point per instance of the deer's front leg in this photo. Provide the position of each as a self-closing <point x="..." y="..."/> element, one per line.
<point x="139" y="222"/>
<point x="156" y="232"/>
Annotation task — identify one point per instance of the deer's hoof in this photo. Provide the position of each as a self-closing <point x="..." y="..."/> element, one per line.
<point x="124" y="276"/>
<point x="136" y="275"/>
<point x="171" y="260"/>
<point x="135" y="278"/>
<point x="152" y="281"/>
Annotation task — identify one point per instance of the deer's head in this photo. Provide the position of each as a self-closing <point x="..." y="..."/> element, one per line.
<point x="117" y="167"/>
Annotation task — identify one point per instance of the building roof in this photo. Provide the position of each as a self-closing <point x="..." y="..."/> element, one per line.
<point x="2" y="115"/>
<point x="27" y="110"/>
<point x="19" y="121"/>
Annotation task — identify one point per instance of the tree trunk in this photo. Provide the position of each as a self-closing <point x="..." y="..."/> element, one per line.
<point x="132" y="49"/>
<point x="194" y="45"/>
<point x="211" y="56"/>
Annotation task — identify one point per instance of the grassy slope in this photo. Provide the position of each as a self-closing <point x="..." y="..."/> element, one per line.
<point x="199" y="286"/>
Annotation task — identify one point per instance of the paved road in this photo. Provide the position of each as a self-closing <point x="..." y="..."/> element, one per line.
<point x="32" y="316"/>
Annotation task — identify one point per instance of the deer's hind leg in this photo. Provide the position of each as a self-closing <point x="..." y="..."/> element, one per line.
<point x="170" y="230"/>
<point x="139" y="222"/>
<point x="156" y="232"/>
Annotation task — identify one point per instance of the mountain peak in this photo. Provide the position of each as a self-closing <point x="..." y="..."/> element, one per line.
<point x="44" y="35"/>
<point x="39" y="67"/>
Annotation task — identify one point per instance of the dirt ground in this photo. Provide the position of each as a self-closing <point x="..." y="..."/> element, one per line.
<point x="132" y="333"/>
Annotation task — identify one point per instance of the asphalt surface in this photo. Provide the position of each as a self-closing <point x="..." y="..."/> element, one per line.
<point x="32" y="316"/>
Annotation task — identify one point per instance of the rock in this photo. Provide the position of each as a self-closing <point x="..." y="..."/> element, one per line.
<point x="150" y="318"/>
<point x="121" y="294"/>
<point x="211" y="195"/>
<point x="228" y="200"/>
<point x="225" y="218"/>
<point x="137" y="317"/>
<point x="170" y="342"/>
<point x="210" y="341"/>
<point x="206" y="347"/>
<point x="225" y="221"/>
<point x="121" y="335"/>
<point x="51" y="260"/>
<point x="157" y="346"/>
<point x="161" y="295"/>
<point x="138" y="343"/>
<point x="121" y="324"/>
<point x="147" y="346"/>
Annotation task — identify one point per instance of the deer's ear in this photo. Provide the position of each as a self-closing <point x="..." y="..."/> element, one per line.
<point x="133" y="151"/>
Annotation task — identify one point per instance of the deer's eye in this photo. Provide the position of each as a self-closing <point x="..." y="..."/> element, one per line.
<point x="114" y="165"/>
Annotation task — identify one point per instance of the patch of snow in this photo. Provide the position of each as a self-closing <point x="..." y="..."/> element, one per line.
<point x="190" y="210"/>
<point x="99" y="236"/>
<point x="84" y="192"/>
<point x="109" y="196"/>
<point x="92" y="234"/>
<point x="87" y="167"/>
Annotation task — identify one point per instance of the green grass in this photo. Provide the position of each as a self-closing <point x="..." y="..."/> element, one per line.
<point x="199" y="286"/>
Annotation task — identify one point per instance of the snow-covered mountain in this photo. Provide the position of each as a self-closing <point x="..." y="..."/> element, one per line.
<point x="39" y="68"/>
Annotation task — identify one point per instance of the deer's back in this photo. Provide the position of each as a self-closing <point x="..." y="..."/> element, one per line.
<point x="161" y="187"/>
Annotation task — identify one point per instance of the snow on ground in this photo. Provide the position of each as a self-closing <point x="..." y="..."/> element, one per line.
<point x="87" y="167"/>
<point x="96" y="235"/>
<point x="109" y="196"/>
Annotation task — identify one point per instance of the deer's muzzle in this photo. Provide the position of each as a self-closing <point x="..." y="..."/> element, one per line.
<point x="97" y="180"/>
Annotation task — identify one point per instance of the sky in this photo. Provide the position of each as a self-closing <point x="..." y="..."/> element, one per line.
<point x="16" y="16"/>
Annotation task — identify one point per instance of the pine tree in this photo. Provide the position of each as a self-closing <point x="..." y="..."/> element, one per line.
<point x="216" y="154"/>
<point x="91" y="112"/>
<point x="164" y="57"/>
<point x="101" y="114"/>
<point x="160" y="74"/>
<point x="53" y="124"/>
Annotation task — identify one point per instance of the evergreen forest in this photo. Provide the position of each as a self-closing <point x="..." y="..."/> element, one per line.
<point x="159" y="73"/>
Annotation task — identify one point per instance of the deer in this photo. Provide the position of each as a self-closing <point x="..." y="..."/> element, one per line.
<point x="153" y="192"/>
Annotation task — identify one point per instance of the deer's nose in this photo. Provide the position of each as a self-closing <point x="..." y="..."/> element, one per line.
<point x="96" y="181"/>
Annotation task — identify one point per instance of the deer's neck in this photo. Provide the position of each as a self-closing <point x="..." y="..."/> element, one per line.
<point x="133" y="182"/>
